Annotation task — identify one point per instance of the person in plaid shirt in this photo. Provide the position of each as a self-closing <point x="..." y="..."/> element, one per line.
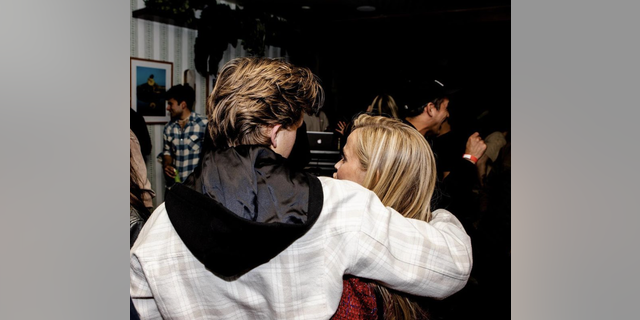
<point x="247" y="236"/>
<point x="183" y="135"/>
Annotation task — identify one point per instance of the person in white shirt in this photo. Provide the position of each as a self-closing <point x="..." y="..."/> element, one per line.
<point x="246" y="237"/>
<point x="316" y="122"/>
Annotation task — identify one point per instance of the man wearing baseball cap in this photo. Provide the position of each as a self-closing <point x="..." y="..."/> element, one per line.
<point x="426" y="108"/>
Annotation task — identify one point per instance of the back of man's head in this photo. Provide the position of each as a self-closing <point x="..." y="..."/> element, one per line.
<point x="181" y="93"/>
<point x="420" y="93"/>
<point x="253" y="94"/>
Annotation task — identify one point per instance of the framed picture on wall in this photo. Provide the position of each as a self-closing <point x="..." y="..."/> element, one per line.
<point x="150" y="79"/>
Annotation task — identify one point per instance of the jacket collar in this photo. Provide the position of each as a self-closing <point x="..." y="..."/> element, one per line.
<point x="242" y="207"/>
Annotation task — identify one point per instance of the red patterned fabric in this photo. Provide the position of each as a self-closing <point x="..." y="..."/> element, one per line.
<point x="358" y="301"/>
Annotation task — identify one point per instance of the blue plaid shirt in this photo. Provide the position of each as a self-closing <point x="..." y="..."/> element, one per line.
<point x="184" y="146"/>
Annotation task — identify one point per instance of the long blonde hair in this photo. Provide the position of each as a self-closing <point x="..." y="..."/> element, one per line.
<point x="400" y="169"/>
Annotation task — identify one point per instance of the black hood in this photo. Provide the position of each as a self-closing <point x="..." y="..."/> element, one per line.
<point x="241" y="207"/>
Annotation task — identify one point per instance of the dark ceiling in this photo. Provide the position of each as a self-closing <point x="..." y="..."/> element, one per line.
<point x="358" y="54"/>
<point x="326" y="11"/>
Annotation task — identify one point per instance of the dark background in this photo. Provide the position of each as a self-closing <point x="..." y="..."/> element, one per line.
<point x="464" y="44"/>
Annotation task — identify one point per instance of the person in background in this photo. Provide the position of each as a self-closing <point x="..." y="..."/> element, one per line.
<point x="384" y="105"/>
<point x="449" y="146"/>
<point x="380" y="153"/>
<point x="316" y="122"/>
<point x="495" y="142"/>
<point x="138" y="211"/>
<point x="139" y="128"/>
<point x="492" y="237"/>
<point x="426" y="109"/>
<point x="140" y="168"/>
<point x="248" y="237"/>
<point x="498" y="129"/>
<point x="183" y="135"/>
<point x="426" y="106"/>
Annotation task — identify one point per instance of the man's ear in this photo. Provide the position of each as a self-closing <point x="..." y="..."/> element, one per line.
<point x="274" y="135"/>
<point x="430" y="109"/>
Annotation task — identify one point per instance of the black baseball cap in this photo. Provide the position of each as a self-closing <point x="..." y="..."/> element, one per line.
<point x="419" y="94"/>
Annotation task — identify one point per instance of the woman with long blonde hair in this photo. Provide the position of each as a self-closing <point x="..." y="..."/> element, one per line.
<point x="394" y="161"/>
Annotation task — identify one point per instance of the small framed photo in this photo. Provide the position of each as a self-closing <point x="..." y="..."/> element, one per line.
<point x="150" y="79"/>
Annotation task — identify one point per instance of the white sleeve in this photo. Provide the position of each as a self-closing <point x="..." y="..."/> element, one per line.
<point x="425" y="259"/>
<point x="140" y="292"/>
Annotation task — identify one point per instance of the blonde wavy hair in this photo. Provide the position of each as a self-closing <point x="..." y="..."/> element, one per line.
<point x="384" y="104"/>
<point x="400" y="168"/>
<point x="252" y="94"/>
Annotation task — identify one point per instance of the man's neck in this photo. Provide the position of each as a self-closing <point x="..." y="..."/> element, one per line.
<point x="419" y="125"/>
<point x="185" y="115"/>
<point x="183" y="119"/>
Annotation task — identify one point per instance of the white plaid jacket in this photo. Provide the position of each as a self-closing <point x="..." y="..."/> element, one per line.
<point x="355" y="234"/>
